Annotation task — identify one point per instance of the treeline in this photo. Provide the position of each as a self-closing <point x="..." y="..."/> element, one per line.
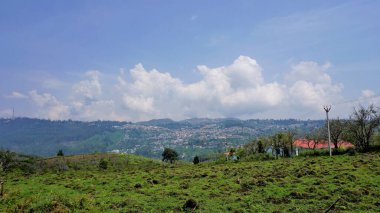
<point x="361" y="129"/>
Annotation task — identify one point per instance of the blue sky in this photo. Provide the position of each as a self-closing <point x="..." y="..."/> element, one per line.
<point x="138" y="60"/>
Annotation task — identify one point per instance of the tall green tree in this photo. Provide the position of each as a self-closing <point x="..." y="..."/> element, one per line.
<point x="169" y="155"/>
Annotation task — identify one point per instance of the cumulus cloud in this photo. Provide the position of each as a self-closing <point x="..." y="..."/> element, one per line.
<point x="311" y="86"/>
<point x="369" y="97"/>
<point x="236" y="90"/>
<point x="223" y="91"/>
<point x="90" y="88"/>
<point x="49" y="106"/>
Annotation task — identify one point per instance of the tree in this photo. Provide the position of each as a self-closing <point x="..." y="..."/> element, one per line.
<point x="276" y="144"/>
<point x="169" y="155"/>
<point x="260" y="147"/>
<point x="283" y="141"/>
<point x="288" y="138"/>
<point x="336" y="129"/>
<point x="103" y="164"/>
<point x="362" y="125"/>
<point x="6" y="161"/>
<point x="60" y="153"/>
<point x="315" y="138"/>
<point x="196" y="160"/>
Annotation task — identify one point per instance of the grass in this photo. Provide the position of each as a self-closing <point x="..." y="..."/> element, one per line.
<point x="136" y="184"/>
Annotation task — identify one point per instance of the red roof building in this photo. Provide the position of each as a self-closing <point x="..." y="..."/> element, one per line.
<point x="309" y="144"/>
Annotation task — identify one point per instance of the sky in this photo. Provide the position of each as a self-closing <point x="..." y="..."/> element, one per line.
<point x="142" y="60"/>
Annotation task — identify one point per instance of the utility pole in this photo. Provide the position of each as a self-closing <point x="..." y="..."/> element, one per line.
<point x="327" y="109"/>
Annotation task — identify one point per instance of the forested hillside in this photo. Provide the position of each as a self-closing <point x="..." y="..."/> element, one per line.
<point x="189" y="137"/>
<point x="45" y="137"/>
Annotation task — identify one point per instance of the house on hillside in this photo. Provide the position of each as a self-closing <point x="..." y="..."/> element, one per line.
<point x="305" y="144"/>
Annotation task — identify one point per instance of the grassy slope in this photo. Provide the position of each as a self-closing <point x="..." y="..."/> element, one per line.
<point x="285" y="185"/>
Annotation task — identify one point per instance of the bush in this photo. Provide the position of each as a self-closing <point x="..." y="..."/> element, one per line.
<point x="196" y="160"/>
<point x="374" y="148"/>
<point x="103" y="164"/>
<point x="351" y="151"/>
<point x="7" y="160"/>
<point x="258" y="157"/>
<point x="190" y="204"/>
<point x="60" y="153"/>
<point x="316" y="152"/>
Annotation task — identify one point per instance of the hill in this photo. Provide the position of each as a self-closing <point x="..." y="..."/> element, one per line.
<point x="189" y="137"/>
<point x="135" y="184"/>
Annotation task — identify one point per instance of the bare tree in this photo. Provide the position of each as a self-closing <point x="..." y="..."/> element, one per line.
<point x="362" y="125"/>
<point x="315" y="138"/>
<point x="336" y="129"/>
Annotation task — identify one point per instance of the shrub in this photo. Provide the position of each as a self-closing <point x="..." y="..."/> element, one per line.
<point x="103" y="164"/>
<point x="316" y="152"/>
<point x="60" y="153"/>
<point x="351" y="151"/>
<point x="190" y="204"/>
<point x="258" y="157"/>
<point x="196" y="160"/>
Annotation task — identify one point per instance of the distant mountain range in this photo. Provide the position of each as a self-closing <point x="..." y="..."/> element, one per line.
<point x="189" y="137"/>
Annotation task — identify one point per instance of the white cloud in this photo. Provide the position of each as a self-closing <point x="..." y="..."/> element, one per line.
<point x="310" y="71"/>
<point x="17" y="95"/>
<point x="311" y="86"/>
<point x="49" y="106"/>
<point x="237" y="90"/>
<point x="369" y="97"/>
<point x="234" y="90"/>
<point x="90" y="88"/>
<point x="368" y="94"/>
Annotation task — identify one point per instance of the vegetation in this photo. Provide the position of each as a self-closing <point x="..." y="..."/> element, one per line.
<point x="201" y="136"/>
<point x="196" y="160"/>
<point x="135" y="184"/>
<point x="103" y="164"/>
<point x="45" y="137"/>
<point x="169" y="155"/>
<point x="262" y="177"/>
<point x="60" y="153"/>
<point x="337" y="127"/>
<point x="362" y="126"/>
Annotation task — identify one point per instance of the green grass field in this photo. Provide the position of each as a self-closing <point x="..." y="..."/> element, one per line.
<point x="135" y="184"/>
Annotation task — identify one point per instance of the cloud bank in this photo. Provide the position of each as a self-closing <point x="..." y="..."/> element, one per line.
<point x="236" y="90"/>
